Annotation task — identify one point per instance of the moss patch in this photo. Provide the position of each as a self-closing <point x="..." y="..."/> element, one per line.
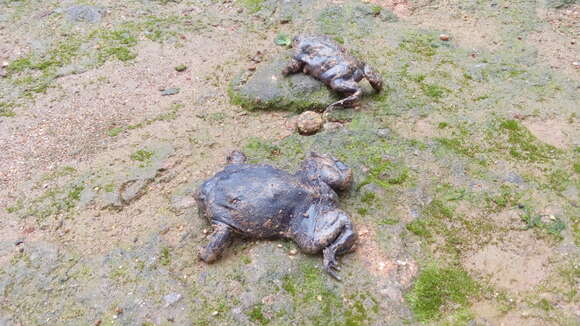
<point x="438" y="290"/>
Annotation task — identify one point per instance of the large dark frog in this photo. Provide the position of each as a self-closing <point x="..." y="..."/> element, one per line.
<point x="259" y="201"/>
<point x="328" y="61"/>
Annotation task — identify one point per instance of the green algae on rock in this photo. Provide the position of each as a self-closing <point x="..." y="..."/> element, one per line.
<point x="267" y="89"/>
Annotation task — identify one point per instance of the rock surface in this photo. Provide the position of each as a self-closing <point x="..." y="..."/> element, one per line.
<point x="85" y="13"/>
<point x="266" y="89"/>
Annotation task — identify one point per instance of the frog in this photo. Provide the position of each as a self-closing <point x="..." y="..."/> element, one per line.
<point x="259" y="201"/>
<point x="326" y="60"/>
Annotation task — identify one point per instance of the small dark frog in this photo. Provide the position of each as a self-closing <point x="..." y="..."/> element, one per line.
<point x="328" y="61"/>
<point x="259" y="201"/>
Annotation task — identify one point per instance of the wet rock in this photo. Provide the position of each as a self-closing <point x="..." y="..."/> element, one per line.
<point x="266" y="89"/>
<point x="309" y="123"/>
<point x="170" y="91"/>
<point x="171" y="299"/>
<point x="85" y="13"/>
<point x="559" y="4"/>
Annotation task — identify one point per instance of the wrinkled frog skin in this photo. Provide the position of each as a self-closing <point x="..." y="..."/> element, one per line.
<point x="259" y="201"/>
<point x="329" y="62"/>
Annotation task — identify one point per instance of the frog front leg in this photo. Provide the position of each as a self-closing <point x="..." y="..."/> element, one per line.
<point x="220" y="239"/>
<point x="293" y="66"/>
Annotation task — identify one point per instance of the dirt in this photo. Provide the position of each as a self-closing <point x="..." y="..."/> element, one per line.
<point x="476" y="137"/>
<point x="519" y="263"/>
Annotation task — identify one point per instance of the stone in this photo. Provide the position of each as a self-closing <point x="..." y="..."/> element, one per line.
<point x="309" y="123"/>
<point x="85" y="13"/>
<point x="266" y="89"/>
<point x="170" y="91"/>
<point x="171" y="299"/>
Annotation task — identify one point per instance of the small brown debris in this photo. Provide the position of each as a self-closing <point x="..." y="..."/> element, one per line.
<point x="98" y="322"/>
<point x="119" y="310"/>
<point x="257" y="58"/>
<point x="444" y="37"/>
<point x="252" y="68"/>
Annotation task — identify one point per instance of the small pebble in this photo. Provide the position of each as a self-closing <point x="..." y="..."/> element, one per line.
<point x="252" y="68"/>
<point x="576" y="64"/>
<point x="119" y="310"/>
<point x="181" y="68"/>
<point x="98" y="322"/>
<point x="444" y="37"/>
<point x="5" y="64"/>
<point x="319" y="298"/>
<point x="293" y="252"/>
<point x="280" y="245"/>
<point x="215" y="313"/>
<point x="170" y="91"/>
<point x="205" y="231"/>
<point x="309" y="123"/>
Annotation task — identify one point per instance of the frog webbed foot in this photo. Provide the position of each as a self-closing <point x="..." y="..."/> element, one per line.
<point x="347" y="86"/>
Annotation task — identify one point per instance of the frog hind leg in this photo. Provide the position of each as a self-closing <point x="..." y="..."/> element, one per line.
<point x="332" y="233"/>
<point x="347" y="86"/>
<point x="219" y="240"/>
<point x="344" y="243"/>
